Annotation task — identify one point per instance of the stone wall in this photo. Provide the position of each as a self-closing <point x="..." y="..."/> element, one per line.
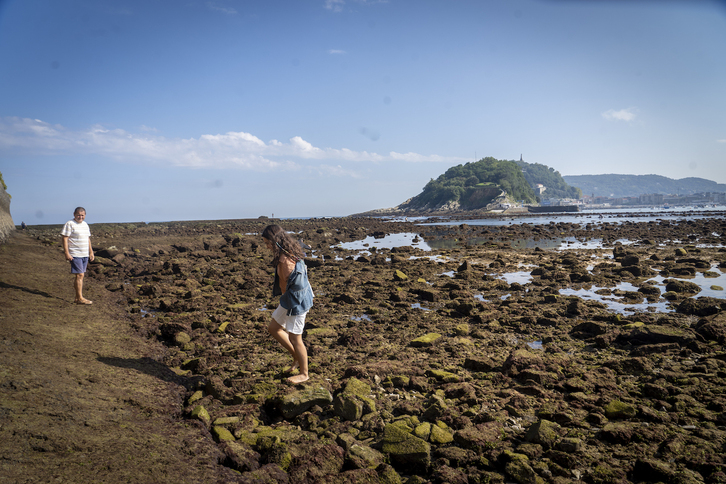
<point x="6" y="220"/>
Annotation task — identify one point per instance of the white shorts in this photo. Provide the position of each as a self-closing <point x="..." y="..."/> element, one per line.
<point x="291" y="324"/>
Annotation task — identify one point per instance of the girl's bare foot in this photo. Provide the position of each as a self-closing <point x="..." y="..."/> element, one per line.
<point x="298" y="378"/>
<point x="83" y="301"/>
<point x="294" y="367"/>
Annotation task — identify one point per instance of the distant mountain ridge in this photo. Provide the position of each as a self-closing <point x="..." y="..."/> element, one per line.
<point x="634" y="185"/>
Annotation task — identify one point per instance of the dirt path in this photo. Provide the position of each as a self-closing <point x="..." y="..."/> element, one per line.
<point x="82" y="398"/>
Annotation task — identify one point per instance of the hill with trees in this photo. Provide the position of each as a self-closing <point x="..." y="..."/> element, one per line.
<point x="556" y="186"/>
<point x="473" y="186"/>
<point x="634" y="185"/>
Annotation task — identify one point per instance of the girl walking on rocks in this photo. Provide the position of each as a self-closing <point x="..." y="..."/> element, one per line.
<point x="296" y="297"/>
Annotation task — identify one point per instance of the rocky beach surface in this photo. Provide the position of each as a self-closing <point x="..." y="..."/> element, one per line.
<point x="473" y="361"/>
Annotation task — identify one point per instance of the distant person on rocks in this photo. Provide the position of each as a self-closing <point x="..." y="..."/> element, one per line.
<point x="23" y="226"/>
<point x="296" y="297"/>
<point x="78" y="251"/>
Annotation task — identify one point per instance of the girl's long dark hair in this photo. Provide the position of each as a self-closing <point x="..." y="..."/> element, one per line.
<point x="283" y="243"/>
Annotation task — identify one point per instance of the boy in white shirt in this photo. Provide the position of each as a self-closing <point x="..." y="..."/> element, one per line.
<point x="77" y="247"/>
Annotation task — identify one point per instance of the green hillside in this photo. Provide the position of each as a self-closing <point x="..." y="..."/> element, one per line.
<point x="556" y="186"/>
<point x="473" y="186"/>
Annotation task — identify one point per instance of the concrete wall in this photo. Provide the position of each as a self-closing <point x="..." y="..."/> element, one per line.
<point x="6" y="220"/>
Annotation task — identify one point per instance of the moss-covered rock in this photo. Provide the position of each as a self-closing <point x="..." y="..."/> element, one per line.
<point x="364" y="457"/>
<point x="519" y="468"/>
<point x="619" y="410"/>
<point x="440" y="435"/>
<point x="226" y="421"/>
<point x="409" y="450"/>
<point x="444" y="376"/>
<point x="544" y="433"/>
<point x="354" y="401"/>
<point x="222" y="434"/>
<point x="200" y="413"/>
<point x="423" y="431"/>
<point x="297" y="402"/>
<point x="196" y="396"/>
<point x="425" y="340"/>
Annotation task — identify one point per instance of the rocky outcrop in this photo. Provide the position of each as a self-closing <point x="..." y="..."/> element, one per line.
<point x="6" y="220"/>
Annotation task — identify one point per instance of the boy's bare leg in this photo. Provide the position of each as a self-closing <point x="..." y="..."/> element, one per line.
<point x="78" y="286"/>
<point x="301" y="357"/>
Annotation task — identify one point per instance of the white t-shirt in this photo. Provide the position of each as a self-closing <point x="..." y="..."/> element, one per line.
<point x="78" y="234"/>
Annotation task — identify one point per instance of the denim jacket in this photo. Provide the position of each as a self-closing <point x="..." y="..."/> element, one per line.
<point x="298" y="297"/>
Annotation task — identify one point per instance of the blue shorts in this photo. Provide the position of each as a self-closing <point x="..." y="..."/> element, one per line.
<point x="291" y="324"/>
<point x="78" y="265"/>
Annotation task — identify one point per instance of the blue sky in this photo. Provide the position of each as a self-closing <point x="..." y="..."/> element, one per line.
<point x="161" y="110"/>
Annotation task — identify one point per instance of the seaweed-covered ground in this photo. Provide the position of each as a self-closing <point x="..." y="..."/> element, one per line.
<point x="428" y="365"/>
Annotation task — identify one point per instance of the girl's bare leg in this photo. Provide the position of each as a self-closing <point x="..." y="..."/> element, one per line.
<point x="301" y="357"/>
<point x="279" y="333"/>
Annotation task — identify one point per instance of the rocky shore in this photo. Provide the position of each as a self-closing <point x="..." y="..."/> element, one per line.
<point x="6" y="220"/>
<point x="428" y="366"/>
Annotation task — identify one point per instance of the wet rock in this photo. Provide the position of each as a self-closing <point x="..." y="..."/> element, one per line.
<point x="240" y="457"/>
<point x="714" y="329"/>
<point x="679" y="286"/>
<point x="703" y="306"/>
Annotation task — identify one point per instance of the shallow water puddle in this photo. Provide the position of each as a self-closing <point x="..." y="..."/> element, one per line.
<point x="522" y="277"/>
<point x="418" y="306"/>
<point x="705" y="283"/>
<point x="390" y="241"/>
<point x="362" y="317"/>
<point x="613" y="302"/>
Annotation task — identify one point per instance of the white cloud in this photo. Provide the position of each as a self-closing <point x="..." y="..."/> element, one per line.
<point x="336" y="52"/>
<point x="721" y="141"/>
<point x="622" y="115"/>
<point x="225" y="10"/>
<point x="337" y="171"/>
<point x="241" y="150"/>
<point x="335" y="5"/>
